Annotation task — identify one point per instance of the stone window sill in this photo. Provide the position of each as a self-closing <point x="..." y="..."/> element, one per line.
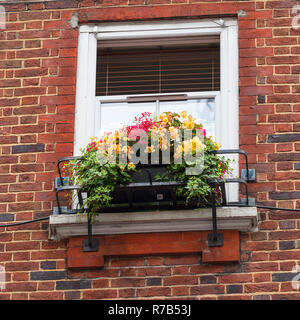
<point x="228" y="218"/>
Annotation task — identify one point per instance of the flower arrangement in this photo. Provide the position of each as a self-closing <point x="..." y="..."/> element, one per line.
<point x="171" y="138"/>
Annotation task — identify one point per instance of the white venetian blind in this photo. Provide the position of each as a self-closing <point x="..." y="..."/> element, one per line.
<point x="159" y="70"/>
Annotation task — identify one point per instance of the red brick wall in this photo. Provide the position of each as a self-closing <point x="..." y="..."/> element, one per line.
<point x="37" y="95"/>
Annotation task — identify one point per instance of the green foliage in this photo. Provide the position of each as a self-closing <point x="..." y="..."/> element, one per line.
<point x="98" y="180"/>
<point x="197" y="187"/>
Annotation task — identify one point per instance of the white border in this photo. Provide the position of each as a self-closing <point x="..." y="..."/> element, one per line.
<point x="87" y="102"/>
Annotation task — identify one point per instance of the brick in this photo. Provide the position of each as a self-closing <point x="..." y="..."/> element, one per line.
<point x="31" y="72"/>
<point x="9" y="102"/>
<point x="23" y="206"/>
<point x="11" y="45"/>
<point x="60" y="43"/>
<point x="283" y="157"/>
<point x="284" y="195"/>
<point x="46" y="295"/>
<point x="20" y="286"/>
<point x="29" y="129"/>
<point x="28" y="148"/>
<point x="208" y="289"/>
<point x="38" y="15"/>
<point x="180" y="280"/>
<point x="261" y="277"/>
<point x="297" y="166"/>
<point x="25" y="187"/>
<point x="153" y="292"/>
<point x="261" y="267"/>
<point x="10" y="83"/>
<point x="72" y="295"/>
<point x="21" y="265"/>
<point x="283" y="277"/>
<point x="208" y="279"/>
<point x="284" y="137"/>
<point x="30" y="167"/>
<point x="286" y="245"/>
<point x="100" y="294"/>
<point x="47" y="275"/>
<point x="7" y="64"/>
<point x="181" y="260"/>
<point x="154" y="282"/>
<point x="284" y="118"/>
<point x="261" y="297"/>
<point x="284" y="235"/>
<point x="266" y="287"/>
<point x="157" y="271"/>
<point x="234" y="289"/>
<point x="128" y="282"/>
<point x="73" y="285"/>
<point x="32" y="53"/>
<point x="289" y="224"/>
<point x="67" y="4"/>
<point x="5" y="217"/>
<point x="284" y="255"/>
<point x="235" y="278"/>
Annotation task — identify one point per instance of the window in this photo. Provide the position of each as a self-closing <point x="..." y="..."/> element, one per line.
<point x="125" y="69"/>
<point x="156" y="78"/>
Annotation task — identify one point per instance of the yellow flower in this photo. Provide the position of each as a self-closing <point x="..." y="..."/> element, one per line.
<point x="165" y="119"/>
<point x="149" y="149"/>
<point x="179" y="149"/>
<point x="185" y="124"/>
<point x="174" y="133"/>
<point x="190" y="125"/>
<point x="131" y="165"/>
<point x="187" y="146"/>
<point x="183" y="114"/>
<point x="110" y="150"/>
<point x="217" y="145"/>
<point x="163" y="145"/>
<point x="161" y="116"/>
<point x="191" y="119"/>
<point x="196" y="144"/>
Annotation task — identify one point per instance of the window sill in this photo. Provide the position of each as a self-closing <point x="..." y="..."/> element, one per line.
<point x="228" y="218"/>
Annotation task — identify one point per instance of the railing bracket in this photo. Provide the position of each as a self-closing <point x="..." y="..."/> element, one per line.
<point x="90" y="245"/>
<point x="215" y="240"/>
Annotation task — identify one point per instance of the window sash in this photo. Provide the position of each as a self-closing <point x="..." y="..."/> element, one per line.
<point x="105" y="101"/>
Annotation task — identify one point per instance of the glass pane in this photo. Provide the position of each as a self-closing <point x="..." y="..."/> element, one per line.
<point x="201" y="109"/>
<point x="114" y="115"/>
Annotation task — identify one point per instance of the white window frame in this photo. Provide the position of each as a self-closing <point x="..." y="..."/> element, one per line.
<point x="87" y="106"/>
